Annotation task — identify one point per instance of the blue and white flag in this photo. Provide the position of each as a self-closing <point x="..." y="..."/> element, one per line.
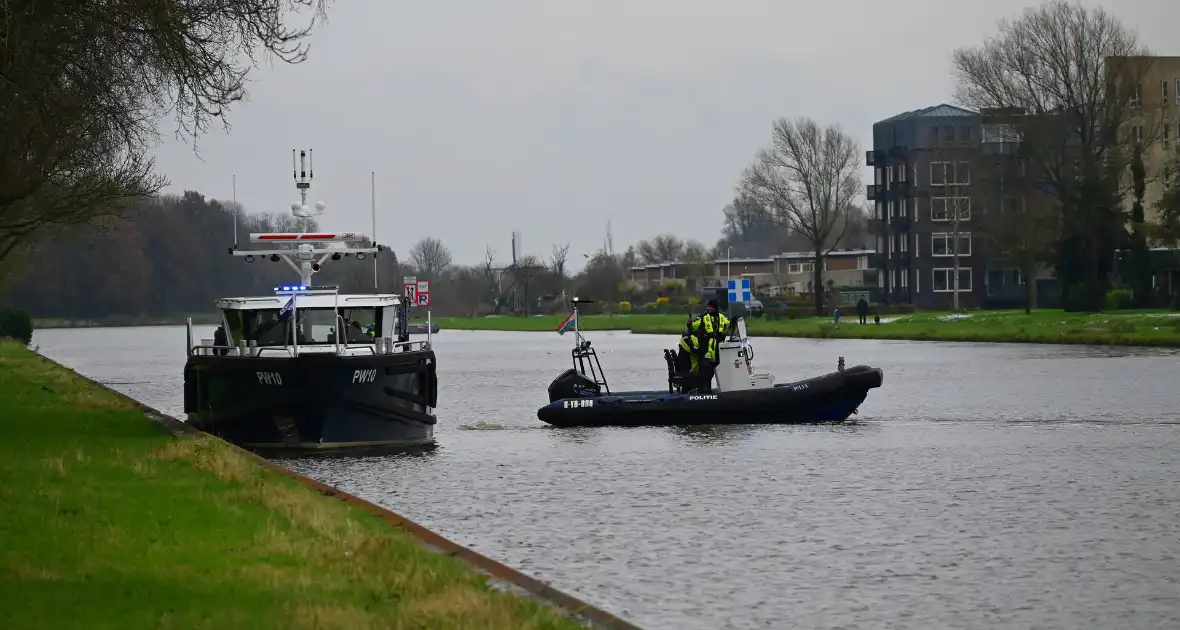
<point x="287" y="309"/>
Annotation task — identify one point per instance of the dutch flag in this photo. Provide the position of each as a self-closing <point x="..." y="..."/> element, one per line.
<point x="568" y="323"/>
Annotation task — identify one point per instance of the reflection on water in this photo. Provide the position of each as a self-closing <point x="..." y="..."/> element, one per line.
<point x="997" y="486"/>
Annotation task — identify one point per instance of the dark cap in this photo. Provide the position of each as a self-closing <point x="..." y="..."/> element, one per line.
<point x="712" y="303"/>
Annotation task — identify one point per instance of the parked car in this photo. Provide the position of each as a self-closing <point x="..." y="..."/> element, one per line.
<point x="753" y="308"/>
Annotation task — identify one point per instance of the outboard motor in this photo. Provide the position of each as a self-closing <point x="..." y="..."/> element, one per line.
<point x="573" y="384"/>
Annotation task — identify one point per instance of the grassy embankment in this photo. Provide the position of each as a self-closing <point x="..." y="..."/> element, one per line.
<point x="199" y="319"/>
<point x="1143" y="328"/>
<point x="111" y="522"/>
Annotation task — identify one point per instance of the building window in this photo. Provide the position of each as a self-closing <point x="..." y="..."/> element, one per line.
<point x="1177" y="90"/>
<point x="1137" y="95"/>
<point x="964" y="135"/>
<point x="862" y="263"/>
<point x="938" y="173"/>
<point x="915" y="177"/>
<point x="948" y="135"/>
<point x="1164" y="91"/>
<point x="940" y="244"/>
<point x="942" y="208"/>
<point x="1136" y="133"/>
<point x="880" y="174"/>
<point x="944" y="280"/>
<point x="950" y="173"/>
<point x="879" y="208"/>
<point x="914" y="206"/>
<point x="962" y="175"/>
<point x="917" y="282"/>
<point x="800" y="267"/>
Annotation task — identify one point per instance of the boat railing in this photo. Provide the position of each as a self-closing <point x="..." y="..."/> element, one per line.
<point x="285" y="351"/>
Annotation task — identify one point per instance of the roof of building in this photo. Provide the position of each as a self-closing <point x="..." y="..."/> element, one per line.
<point x="834" y="252"/>
<point x="787" y="255"/>
<point x="940" y="110"/>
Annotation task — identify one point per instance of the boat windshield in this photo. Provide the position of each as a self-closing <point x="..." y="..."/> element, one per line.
<point x="266" y="327"/>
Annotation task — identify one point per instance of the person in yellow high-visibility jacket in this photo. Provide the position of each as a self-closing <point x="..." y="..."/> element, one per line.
<point x="688" y="347"/>
<point x="709" y="329"/>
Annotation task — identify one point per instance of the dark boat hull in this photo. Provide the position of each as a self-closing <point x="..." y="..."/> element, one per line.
<point x="315" y="402"/>
<point x="828" y="398"/>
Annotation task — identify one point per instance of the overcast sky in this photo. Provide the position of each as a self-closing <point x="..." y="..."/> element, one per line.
<point x="547" y="117"/>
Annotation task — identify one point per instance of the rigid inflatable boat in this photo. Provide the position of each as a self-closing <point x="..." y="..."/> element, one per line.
<point x="580" y="396"/>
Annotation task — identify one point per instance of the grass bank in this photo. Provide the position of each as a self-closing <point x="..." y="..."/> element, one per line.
<point x="1141" y="328"/>
<point x="111" y="522"/>
<point x="115" y="321"/>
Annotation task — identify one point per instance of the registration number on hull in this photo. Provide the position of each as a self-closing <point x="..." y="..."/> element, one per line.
<point x="577" y="404"/>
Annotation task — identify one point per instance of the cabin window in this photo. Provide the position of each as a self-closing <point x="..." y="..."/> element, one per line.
<point x="316" y="325"/>
<point x="360" y="325"/>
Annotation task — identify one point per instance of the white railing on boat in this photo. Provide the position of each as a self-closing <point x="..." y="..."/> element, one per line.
<point x="380" y="346"/>
<point x="209" y="349"/>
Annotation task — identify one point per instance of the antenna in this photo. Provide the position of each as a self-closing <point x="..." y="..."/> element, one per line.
<point x="234" y="210"/>
<point x="305" y="258"/>
<point x="373" y="210"/>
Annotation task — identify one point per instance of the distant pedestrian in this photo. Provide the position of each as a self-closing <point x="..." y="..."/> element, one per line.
<point x="862" y="310"/>
<point x="836" y="316"/>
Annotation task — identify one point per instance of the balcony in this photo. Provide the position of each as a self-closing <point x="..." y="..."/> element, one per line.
<point x="900" y="223"/>
<point x="874" y="192"/>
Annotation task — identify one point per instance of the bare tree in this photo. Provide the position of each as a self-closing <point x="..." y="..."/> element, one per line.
<point x="83" y="86"/>
<point x="466" y="282"/>
<point x="526" y="270"/>
<point x="663" y="248"/>
<point x="430" y="257"/>
<point x="1069" y="78"/>
<point x="557" y="260"/>
<point x="951" y="175"/>
<point x="697" y="261"/>
<point x="810" y="178"/>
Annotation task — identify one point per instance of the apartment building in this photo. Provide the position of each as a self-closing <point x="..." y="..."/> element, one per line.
<point x="925" y="208"/>
<point x="1155" y="120"/>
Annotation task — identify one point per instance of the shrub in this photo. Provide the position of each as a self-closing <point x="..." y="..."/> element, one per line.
<point x="651" y="307"/>
<point x="16" y="324"/>
<point x="624" y="307"/>
<point x="661" y="301"/>
<point x="1118" y="299"/>
<point x="692" y="301"/>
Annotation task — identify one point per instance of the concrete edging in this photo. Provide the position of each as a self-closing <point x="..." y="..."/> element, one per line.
<point x="521" y="583"/>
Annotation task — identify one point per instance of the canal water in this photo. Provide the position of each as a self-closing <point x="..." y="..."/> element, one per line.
<point x="984" y="486"/>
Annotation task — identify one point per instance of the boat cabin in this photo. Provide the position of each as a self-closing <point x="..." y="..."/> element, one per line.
<point x="305" y="322"/>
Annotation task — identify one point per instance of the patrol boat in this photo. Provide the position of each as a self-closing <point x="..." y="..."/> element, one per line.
<point x="310" y="368"/>
<point x="581" y="397"/>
